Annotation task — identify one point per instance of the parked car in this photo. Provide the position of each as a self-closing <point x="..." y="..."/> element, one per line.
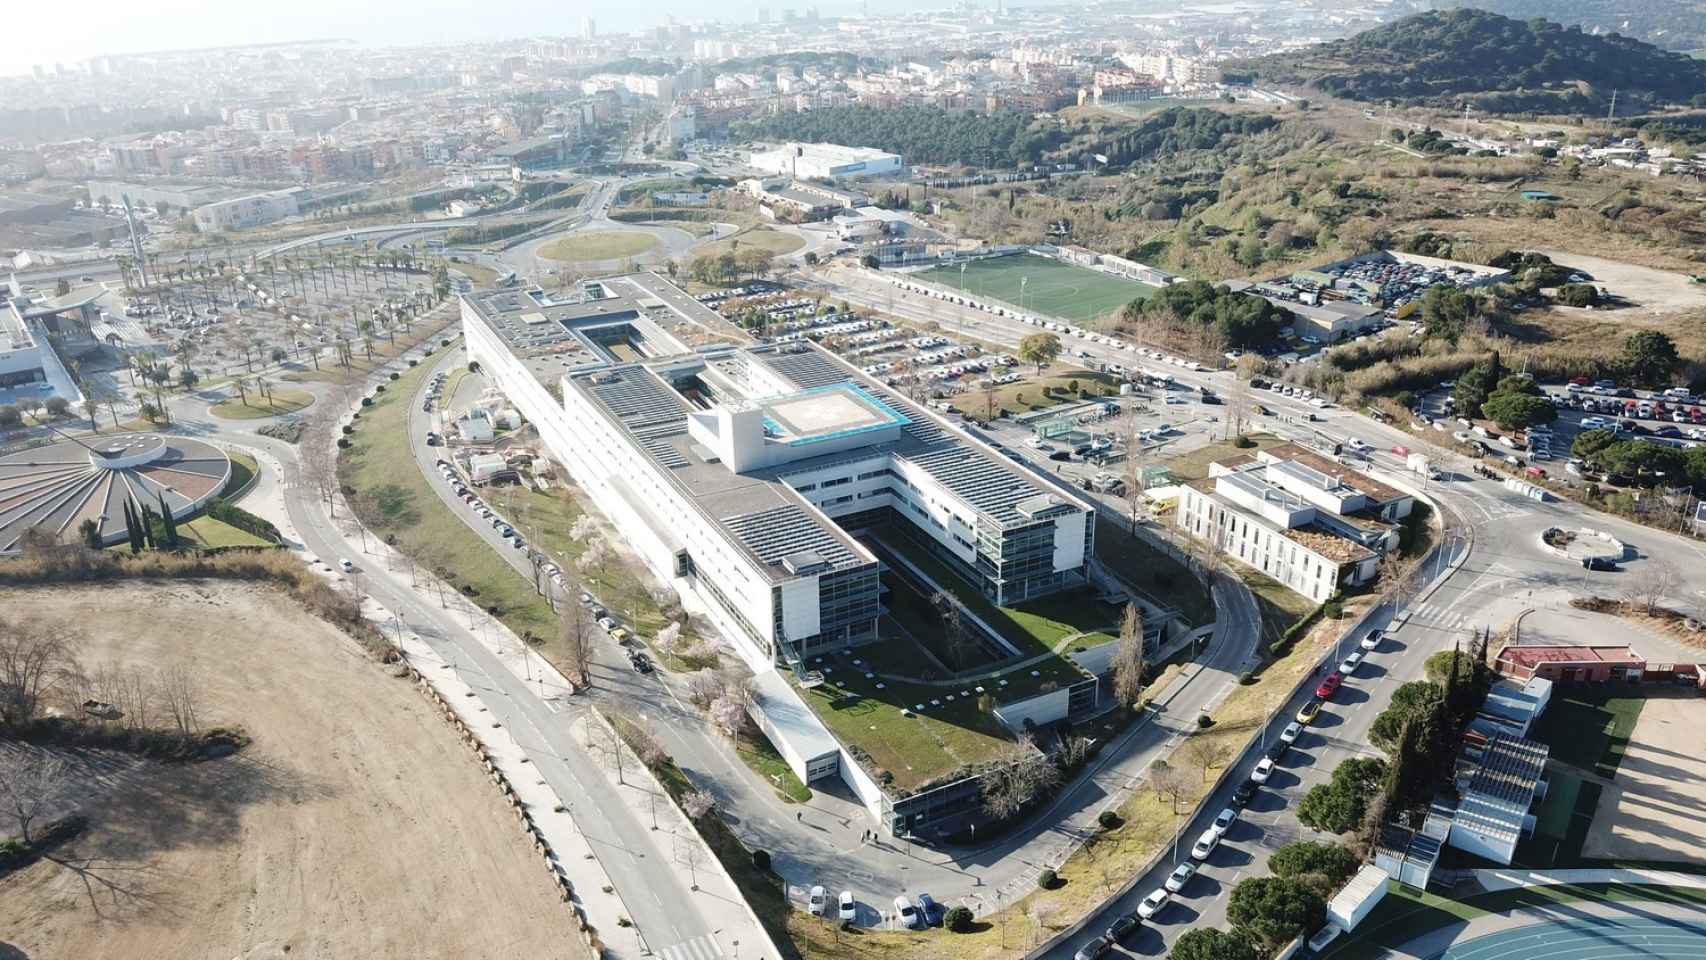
<point x="1206" y="842"/>
<point x="906" y="912"/>
<point x="1291" y="732"/>
<point x="1372" y="640"/>
<point x="1264" y="770"/>
<point x="641" y="663"/>
<point x="1598" y="563"/>
<point x="817" y="902"/>
<point x="1246" y="792"/>
<point x="929" y="909"/>
<point x="1093" y="949"/>
<point x="849" y="907"/>
<point x="1349" y="665"/>
<point x="1152" y="904"/>
<point x="1123" y="925"/>
<point x="607" y="623"/>
<point x="1224" y="821"/>
<point x="1308" y="712"/>
<point x="345" y="565"/>
<point x="1329" y="686"/>
<point x="1180" y="876"/>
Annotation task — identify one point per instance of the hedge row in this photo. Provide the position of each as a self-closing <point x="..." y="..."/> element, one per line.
<point x="1297" y="631"/>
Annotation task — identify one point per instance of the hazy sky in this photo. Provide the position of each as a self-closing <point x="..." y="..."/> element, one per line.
<point x="69" y="31"/>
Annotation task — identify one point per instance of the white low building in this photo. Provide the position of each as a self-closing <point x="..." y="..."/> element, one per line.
<point x="825" y="161"/>
<point x="1297" y="516"/>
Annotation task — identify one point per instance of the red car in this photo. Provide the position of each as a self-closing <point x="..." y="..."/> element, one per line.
<point x="1581" y="381"/>
<point x="1329" y="686"/>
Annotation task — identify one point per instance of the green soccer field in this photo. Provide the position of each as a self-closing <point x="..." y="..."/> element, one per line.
<point x="1053" y="288"/>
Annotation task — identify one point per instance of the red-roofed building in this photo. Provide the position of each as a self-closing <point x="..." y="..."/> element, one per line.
<point x="1567" y="664"/>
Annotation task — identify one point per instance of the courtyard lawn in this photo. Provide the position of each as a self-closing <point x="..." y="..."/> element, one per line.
<point x="1588" y="725"/>
<point x="598" y="245"/>
<point x="1193" y="465"/>
<point x="1032" y="627"/>
<point x="284" y="400"/>
<point x="1040" y="393"/>
<point x="1050" y="286"/>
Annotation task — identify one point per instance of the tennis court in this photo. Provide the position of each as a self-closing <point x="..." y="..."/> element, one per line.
<point x="1590" y="938"/>
<point x="1049" y="287"/>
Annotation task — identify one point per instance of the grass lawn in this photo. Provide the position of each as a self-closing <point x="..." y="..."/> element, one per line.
<point x="757" y="753"/>
<point x="481" y="276"/>
<point x="1279" y="605"/>
<point x="1406" y="914"/>
<point x="1162" y="579"/>
<point x="209" y="532"/>
<point x="402" y="506"/>
<point x="1565" y="817"/>
<point x="283" y="400"/>
<point x="1034" y="626"/>
<point x="1588" y="726"/>
<point x="764" y="238"/>
<point x="1050" y="286"/>
<point x="243" y="471"/>
<point x="1193" y="465"/>
<point x="1029" y="394"/>
<point x="598" y="245"/>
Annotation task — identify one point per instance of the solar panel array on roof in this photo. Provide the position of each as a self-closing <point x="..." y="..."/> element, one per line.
<point x="808" y="368"/>
<point x="779" y="532"/>
<point x="925" y="431"/>
<point x="637" y="400"/>
<point x="663" y="451"/>
<point x="977" y="479"/>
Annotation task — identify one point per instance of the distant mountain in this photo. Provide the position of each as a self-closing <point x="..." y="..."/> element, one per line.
<point x="1671" y="24"/>
<point x="1447" y="57"/>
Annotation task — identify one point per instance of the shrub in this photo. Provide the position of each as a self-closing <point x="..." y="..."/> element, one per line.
<point x="1333" y="609"/>
<point x="1243" y="442"/>
<point x="367" y="401"/>
<point x="343" y="443"/>
<point x="1047" y="880"/>
<point x="1204" y="721"/>
<point x="1108" y="819"/>
<point x="414" y="363"/>
<point x="761" y="860"/>
<point x="395" y="375"/>
<point x="349" y="428"/>
<point x="958" y="919"/>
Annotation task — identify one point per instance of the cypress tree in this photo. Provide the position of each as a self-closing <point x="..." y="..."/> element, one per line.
<point x="171" y="526"/>
<point x="147" y="523"/>
<point x="1454" y="685"/>
<point x="131" y="530"/>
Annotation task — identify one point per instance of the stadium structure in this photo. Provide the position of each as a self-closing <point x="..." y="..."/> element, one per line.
<point x="58" y="486"/>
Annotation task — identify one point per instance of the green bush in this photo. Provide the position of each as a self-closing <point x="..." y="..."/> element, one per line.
<point x="395" y="375"/>
<point x="1287" y="640"/>
<point x="367" y="401"/>
<point x="1108" y="819"/>
<point x="761" y="860"/>
<point x="1204" y="721"/>
<point x="958" y="919"/>
<point x="1047" y="879"/>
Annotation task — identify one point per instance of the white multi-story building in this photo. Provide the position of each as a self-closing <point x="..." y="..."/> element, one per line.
<point x="1301" y="518"/>
<point x="736" y="471"/>
<point x="251" y="211"/>
<point x="825" y="161"/>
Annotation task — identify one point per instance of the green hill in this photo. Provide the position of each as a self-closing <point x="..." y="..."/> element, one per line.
<point x="1448" y="57"/>
<point x="1671" y="24"/>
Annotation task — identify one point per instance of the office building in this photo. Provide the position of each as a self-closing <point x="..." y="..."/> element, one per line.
<point x="735" y="470"/>
<point x="1297" y="516"/>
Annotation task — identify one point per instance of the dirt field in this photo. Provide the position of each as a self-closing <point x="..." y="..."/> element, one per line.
<point x="1649" y="292"/>
<point x="354" y="826"/>
<point x="1654" y="808"/>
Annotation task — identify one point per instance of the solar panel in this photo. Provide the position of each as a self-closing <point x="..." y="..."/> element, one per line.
<point x="779" y="532"/>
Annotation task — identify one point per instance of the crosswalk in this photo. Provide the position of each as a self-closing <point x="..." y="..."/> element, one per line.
<point x="1435" y="616"/>
<point x="698" y="948"/>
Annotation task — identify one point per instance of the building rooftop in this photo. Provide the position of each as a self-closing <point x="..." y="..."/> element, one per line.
<point x="1531" y="655"/>
<point x="1355" y="479"/>
<point x="652" y="359"/>
<point x="1508" y="770"/>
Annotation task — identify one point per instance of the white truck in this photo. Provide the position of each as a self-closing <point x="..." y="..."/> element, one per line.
<point x="1419" y="464"/>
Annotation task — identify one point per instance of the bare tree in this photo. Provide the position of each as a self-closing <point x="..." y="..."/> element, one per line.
<point x="30" y="780"/>
<point x="644" y="745"/>
<point x="1019" y="775"/>
<point x="1172" y="783"/>
<point x="691" y="851"/>
<point x="703" y="688"/>
<point x="1206" y="752"/>
<point x="1074" y="751"/>
<point x="1042" y="914"/>
<point x="953" y="628"/>
<point x="577" y="656"/>
<point x="602" y="738"/>
<point x="178" y="694"/>
<point x="1128" y="659"/>
<point x="698" y="804"/>
<point x="37" y="659"/>
<point x="1649" y="592"/>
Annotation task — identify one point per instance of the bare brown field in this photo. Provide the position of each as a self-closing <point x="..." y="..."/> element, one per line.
<point x="354" y="825"/>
